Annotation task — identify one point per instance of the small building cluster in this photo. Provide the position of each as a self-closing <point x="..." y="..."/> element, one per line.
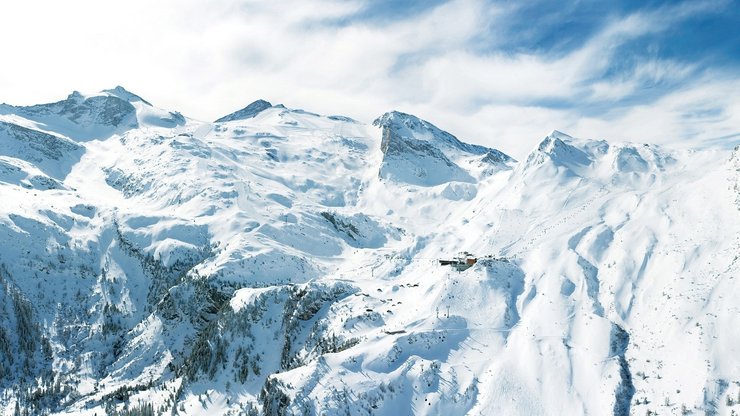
<point x="462" y="261"/>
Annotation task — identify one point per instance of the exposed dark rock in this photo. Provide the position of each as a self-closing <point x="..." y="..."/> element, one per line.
<point x="247" y="112"/>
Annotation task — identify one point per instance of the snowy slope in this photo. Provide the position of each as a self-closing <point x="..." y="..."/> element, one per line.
<point x="282" y="262"/>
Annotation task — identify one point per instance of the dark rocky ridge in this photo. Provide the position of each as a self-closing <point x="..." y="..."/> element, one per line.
<point x="247" y="112"/>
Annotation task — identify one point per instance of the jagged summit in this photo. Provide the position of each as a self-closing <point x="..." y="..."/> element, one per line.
<point x="554" y="141"/>
<point x="494" y="156"/>
<point x="418" y="152"/>
<point x="406" y="125"/>
<point x="560" y="135"/>
<point x="84" y="117"/>
<point x="124" y="94"/>
<point x="247" y="112"/>
<point x="559" y="148"/>
<point x="620" y="164"/>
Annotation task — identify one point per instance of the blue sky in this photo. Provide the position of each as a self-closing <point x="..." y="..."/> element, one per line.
<point x="500" y="73"/>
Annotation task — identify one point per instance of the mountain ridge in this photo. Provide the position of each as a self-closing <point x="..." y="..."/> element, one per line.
<point x="285" y="262"/>
<point x="249" y="111"/>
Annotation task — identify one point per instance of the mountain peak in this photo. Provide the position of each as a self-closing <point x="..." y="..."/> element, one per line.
<point x="86" y="116"/>
<point x="404" y="126"/>
<point x="124" y="94"/>
<point x="560" y="135"/>
<point x="76" y="96"/>
<point x="555" y="150"/>
<point x="249" y="111"/>
<point x="558" y="147"/>
<point x="417" y="152"/>
<point x="389" y="117"/>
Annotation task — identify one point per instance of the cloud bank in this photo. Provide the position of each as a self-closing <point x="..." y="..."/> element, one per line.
<point x="497" y="73"/>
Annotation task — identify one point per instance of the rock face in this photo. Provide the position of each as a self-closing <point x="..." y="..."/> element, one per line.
<point x="418" y="153"/>
<point x="52" y="154"/>
<point x="263" y="266"/>
<point x="247" y="112"/>
<point x="97" y="115"/>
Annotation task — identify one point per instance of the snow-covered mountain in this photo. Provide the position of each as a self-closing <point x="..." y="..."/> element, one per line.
<point x="277" y="261"/>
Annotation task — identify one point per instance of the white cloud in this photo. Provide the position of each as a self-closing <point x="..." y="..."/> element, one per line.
<point x="208" y="59"/>
<point x="705" y="110"/>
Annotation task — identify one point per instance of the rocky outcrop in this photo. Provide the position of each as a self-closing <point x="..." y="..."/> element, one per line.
<point x="100" y="110"/>
<point x="54" y="155"/>
<point x="418" y="153"/>
<point x="247" y="112"/>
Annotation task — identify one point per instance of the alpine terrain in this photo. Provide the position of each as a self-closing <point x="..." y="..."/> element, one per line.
<point x="278" y="261"/>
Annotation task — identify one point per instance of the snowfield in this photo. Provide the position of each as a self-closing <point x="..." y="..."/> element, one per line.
<point x="279" y="261"/>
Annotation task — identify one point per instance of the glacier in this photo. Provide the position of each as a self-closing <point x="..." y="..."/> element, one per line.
<point x="277" y="261"/>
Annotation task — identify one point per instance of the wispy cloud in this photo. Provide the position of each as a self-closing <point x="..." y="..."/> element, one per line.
<point x="497" y="73"/>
